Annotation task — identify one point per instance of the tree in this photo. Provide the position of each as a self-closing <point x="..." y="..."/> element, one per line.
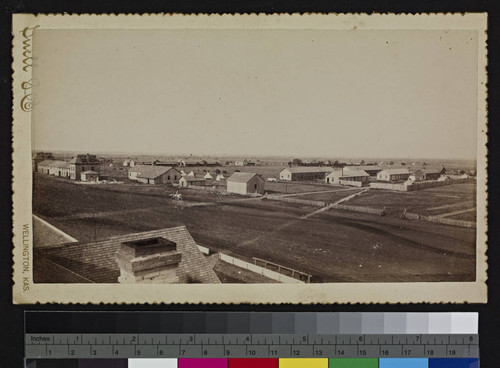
<point x="391" y="163"/>
<point x="362" y="162"/>
<point x="289" y="163"/>
<point x="297" y="161"/>
<point x="217" y="171"/>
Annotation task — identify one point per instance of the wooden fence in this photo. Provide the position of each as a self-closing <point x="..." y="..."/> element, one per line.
<point x="370" y="210"/>
<point x="441" y="220"/>
<point x="259" y="270"/>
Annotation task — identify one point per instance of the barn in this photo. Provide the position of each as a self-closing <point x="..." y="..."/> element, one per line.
<point x="245" y="183"/>
<point x="154" y="174"/>
<point x="187" y="181"/>
<point x="305" y="173"/>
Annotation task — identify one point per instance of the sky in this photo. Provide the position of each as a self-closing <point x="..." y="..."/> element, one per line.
<point x="301" y="93"/>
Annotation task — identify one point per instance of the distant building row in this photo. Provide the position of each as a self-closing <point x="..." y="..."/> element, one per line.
<point x="185" y="163"/>
<point x="82" y="167"/>
<point x="356" y="174"/>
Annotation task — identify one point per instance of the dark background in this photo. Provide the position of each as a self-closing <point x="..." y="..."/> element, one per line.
<point x="11" y="316"/>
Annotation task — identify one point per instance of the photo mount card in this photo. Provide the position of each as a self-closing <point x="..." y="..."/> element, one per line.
<point x="285" y="158"/>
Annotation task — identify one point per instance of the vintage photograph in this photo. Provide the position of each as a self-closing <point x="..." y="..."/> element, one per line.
<point x="258" y="155"/>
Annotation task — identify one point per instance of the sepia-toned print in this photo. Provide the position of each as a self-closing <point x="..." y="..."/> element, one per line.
<point x="261" y="159"/>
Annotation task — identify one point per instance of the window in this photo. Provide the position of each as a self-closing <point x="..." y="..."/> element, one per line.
<point x="83" y="168"/>
<point x="175" y="177"/>
<point x="92" y="168"/>
<point x="168" y="177"/>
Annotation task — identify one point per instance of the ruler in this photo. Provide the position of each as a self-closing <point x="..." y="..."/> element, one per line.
<point x="83" y="346"/>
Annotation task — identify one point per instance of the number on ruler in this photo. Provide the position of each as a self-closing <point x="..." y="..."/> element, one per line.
<point x="252" y="352"/>
<point x="72" y="352"/>
<point x="205" y="352"/>
<point x="138" y="352"/>
<point x="273" y="352"/>
<point x="362" y="352"/>
<point x="296" y="353"/>
<point x="228" y="352"/>
<point x="160" y="352"/>
<point x="407" y="352"/>
<point x="452" y="352"/>
<point x="384" y="352"/>
<point x="318" y="352"/>
<point x="340" y="352"/>
<point x="430" y="352"/>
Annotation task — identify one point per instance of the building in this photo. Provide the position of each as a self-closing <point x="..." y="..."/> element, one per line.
<point x="433" y="174"/>
<point x="245" y="183"/>
<point x="90" y="176"/>
<point x="393" y="174"/>
<point x="220" y="177"/>
<point x="305" y="173"/>
<point x="126" y="163"/>
<point x="187" y="181"/>
<point x="345" y="176"/>
<point x="208" y="176"/>
<point x="55" y="168"/>
<point x="191" y="173"/>
<point x="417" y="175"/>
<point x="371" y="170"/>
<point x="39" y="157"/>
<point x="82" y="163"/>
<point x="154" y="174"/>
<point x="70" y="169"/>
<point x="171" y="256"/>
<point x="239" y="163"/>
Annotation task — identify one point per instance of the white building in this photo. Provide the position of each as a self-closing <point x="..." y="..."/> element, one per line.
<point x="245" y="183"/>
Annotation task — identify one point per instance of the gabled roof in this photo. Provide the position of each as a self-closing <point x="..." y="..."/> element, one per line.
<point x="95" y="261"/>
<point x="84" y="159"/>
<point x="151" y="172"/>
<point x="192" y="178"/>
<point x="309" y="169"/>
<point x="354" y="173"/>
<point x="54" y="163"/>
<point x="241" y="177"/>
<point x="396" y="171"/>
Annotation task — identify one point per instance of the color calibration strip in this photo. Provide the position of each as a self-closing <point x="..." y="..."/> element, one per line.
<point x="258" y="363"/>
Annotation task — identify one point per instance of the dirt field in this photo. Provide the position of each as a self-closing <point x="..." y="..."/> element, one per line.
<point x="426" y="202"/>
<point x="331" y="196"/>
<point x="334" y="246"/>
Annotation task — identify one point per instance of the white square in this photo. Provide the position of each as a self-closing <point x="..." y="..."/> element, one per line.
<point x="440" y="323"/>
<point x="152" y="363"/>
<point x="464" y="323"/>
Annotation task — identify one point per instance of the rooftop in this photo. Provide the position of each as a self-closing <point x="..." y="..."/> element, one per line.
<point x="351" y="172"/>
<point x="150" y="172"/>
<point x="396" y="171"/>
<point x="309" y="169"/>
<point x="241" y="177"/>
<point x="54" y="163"/>
<point x="96" y="261"/>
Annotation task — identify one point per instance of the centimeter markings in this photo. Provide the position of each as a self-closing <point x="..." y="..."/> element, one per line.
<point x="250" y="345"/>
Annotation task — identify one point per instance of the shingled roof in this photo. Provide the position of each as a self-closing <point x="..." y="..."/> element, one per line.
<point x="95" y="261"/>
<point x="240" y="177"/>
<point x="150" y="172"/>
<point x="308" y="169"/>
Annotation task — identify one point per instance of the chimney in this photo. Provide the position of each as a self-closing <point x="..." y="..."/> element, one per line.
<point x="152" y="260"/>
